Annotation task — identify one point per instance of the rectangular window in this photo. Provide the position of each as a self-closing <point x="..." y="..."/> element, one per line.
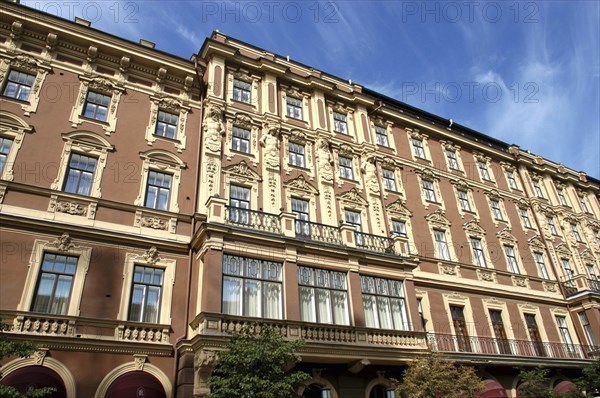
<point x="166" y="125"/>
<point x="18" y="85"/>
<point x="534" y="335"/>
<point x="240" y="139"/>
<point x="300" y="208"/>
<point x="441" y="246"/>
<point x="587" y="327"/>
<point x="96" y="106"/>
<point x="421" y="314"/>
<point x="550" y="221"/>
<point x="239" y="204"/>
<point x="294" y="107"/>
<point x="428" y="191"/>
<point x="384" y="304"/>
<point x="512" y="259"/>
<point x="346" y="168"/>
<point x="564" y="333"/>
<point x="478" y="252"/>
<point x="242" y="91"/>
<point x="146" y="294"/>
<point x="525" y="218"/>
<point x="252" y="287"/>
<point x="389" y="180"/>
<point x="54" y="285"/>
<point x="500" y="332"/>
<point x="483" y="169"/>
<point x="561" y="197"/>
<point x="512" y="182"/>
<point x="463" y="199"/>
<point x="339" y="123"/>
<point x="583" y="205"/>
<point x="296" y="156"/>
<point x="418" y="148"/>
<point x="5" y="144"/>
<point x="353" y="218"/>
<point x="80" y="174"/>
<point x="539" y="260"/>
<point x="460" y="328"/>
<point x="538" y="189"/>
<point x="399" y="228"/>
<point x="381" y="136"/>
<point x="323" y="296"/>
<point x="496" y="209"/>
<point x="452" y="161"/>
<point x="569" y="273"/>
<point x="591" y="272"/>
<point x="158" y="190"/>
<point x="576" y="232"/>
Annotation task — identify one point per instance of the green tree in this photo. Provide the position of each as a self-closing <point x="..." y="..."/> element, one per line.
<point x="255" y="365"/>
<point x="434" y="376"/>
<point x="22" y="350"/>
<point x="590" y="381"/>
<point x="536" y="384"/>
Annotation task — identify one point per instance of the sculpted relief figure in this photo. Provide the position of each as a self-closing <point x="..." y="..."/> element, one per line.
<point x="213" y="126"/>
<point x="270" y="142"/>
<point x="325" y="160"/>
<point x="369" y="169"/>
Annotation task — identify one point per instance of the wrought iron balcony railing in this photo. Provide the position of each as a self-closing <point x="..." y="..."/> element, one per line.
<point x="509" y="347"/>
<point x="573" y="286"/>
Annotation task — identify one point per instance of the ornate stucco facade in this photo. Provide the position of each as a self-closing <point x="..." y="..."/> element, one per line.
<point x="150" y="204"/>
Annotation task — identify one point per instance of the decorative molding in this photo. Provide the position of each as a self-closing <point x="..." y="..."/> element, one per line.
<point x="300" y="184"/>
<point x="472" y="227"/>
<point x="352" y="197"/>
<point x="397" y="208"/>
<point x="506" y="236"/>
<point x="438" y="219"/>
<point x="241" y="172"/>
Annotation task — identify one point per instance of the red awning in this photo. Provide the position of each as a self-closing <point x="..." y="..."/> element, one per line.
<point x="136" y="384"/>
<point x="33" y="377"/>
<point x="493" y="389"/>
<point x="564" y="386"/>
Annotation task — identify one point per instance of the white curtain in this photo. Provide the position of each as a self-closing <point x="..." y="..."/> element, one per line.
<point x="385" y="318"/>
<point x="252" y="297"/>
<point x="307" y="304"/>
<point x="340" y="308"/>
<point x="324" y="306"/>
<point x="272" y="306"/>
<point x="232" y="296"/>
<point x="370" y="311"/>
<point x="399" y="314"/>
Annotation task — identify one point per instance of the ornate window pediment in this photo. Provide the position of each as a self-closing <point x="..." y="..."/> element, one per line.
<point x="297" y="136"/>
<point x="346" y="150"/>
<point x="398" y="209"/>
<point x="241" y="172"/>
<point x="536" y="243"/>
<point x="449" y="145"/>
<point x="427" y="174"/>
<point x="12" y="128"/>
<point x="522" y="203"/>
<point x="493" y="194"/>
<point x="563" y="250"/>
<point x="587" y="256"/>
<point x="300" y="184"/>
<point x="174" y="107"/>
<point x="461" y="184"/>
<point x="27" y="64"/>
<point x="506" y="236"/>
<point x="352" y="197"/>
<point x="473" y="228"/>
<point x="437" y="219"/>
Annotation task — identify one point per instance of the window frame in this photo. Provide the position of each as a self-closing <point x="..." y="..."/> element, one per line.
<point x="159" y="188"/>
<point x="484" y="171"/>
<point x="340" y="123"/>
<point x="587" y="328"/>
<point x="19" y="85"/>
<point x="511" y="179"/>
<point x="551" y="225"/>
<point x="163" y="162"/>
<point x="463" y="200"/>
<point x="5" y="152"/>
<point x="167" y="124"/>
<point x="96" y="106"/>
<point x="295" y="105"/>
<point x="524" y="216"/>
<point x="576" y="234"/>
<point x="562" y="199"/>
<point x="431" y="198"/>
<point x="541" y="265"/>
<point x="81" y="172"/>
<point x="582" y="204"/>
<point x="302" y="215"/>
<point x="314" y="285"/>
<point x="377" y="290"/>
<point x="241" y="90"/>
<point x="294" y="155"/>
<point x="344" y="169"/>
<point x="389" y="180"/>
<point x="418" y="149"/>
<point x="442" y="251"/>
<point x="477" y="251"/>
<point x="402" y="232"/>
<point x="452" y="160"/>
<point x="511" y="259"/>
<point x="56" y="281"/>
<point x="133" y="285"/>
<point x="381" y="136"/>
<point x="496" y="210"/>
<point x="239" y="140"/>
<point x="537" y="189"/>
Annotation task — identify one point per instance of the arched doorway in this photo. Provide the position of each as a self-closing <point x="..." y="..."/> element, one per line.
<point x="32" y="377"/>
<point x="493" y="389"/>
<point x="316" y="391"/>
<point x="381" y="391"/>
<point x="136" y="384"/>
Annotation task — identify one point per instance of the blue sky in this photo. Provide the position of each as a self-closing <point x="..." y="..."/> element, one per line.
<point x="523" y="72"/>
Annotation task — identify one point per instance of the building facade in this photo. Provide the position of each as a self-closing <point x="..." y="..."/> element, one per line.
<point x="150" y="204"/>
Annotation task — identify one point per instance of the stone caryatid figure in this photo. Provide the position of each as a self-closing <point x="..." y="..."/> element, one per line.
<point x="370" y="171"/>
<point x="325" y="160"/>
<point x="270" y="142"/>
<point x="213" y="127"/>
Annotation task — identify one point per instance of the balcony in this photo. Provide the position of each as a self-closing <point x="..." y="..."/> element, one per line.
<point x="374" y="243"/>
<point x="318" y="232"/>
<point x="252" y="219"/>
<point x="580" y="284"/>
<point x="515" y="348"/>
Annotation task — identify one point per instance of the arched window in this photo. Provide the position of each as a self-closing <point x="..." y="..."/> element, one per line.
<point x="316" y="391"/>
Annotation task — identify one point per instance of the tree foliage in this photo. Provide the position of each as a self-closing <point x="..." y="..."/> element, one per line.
<point x="590" y="381"/>
<point x="434" y="376"/>
<point x="255" y="364"/>
<point x="21" y="350"/>
<point x="536" y="384"/>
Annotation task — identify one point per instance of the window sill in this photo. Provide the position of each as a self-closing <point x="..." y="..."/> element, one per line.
<point x="92" y="120"/>
<point x="348" y="180"/>
<point x="235" y="151"/>
<point x="172" y="140"/>
<point x="234" y="101"/>
<point x="304" y="168"/>
<point x="15" y="100"/>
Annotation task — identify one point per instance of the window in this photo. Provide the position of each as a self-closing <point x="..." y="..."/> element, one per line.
<point x="483" y="169"/>
<point x="353" y="218"/>
<point x="567" y="268"/>
<point x="583" y="205"/>
<point x="576" y="232"/>
<point x="294" y="107"/>
<point x="452" y="161"/>
<point x="239" y="204"/>
<point x="146" y="294"/>
<point x="80" y="174"/>
<point x="418" y="148"/>
<point x="500" y="332"/>
<point x="496" y="209"/>
<point x="5" y="144"/>
<point x="158" y="190"/>
<point x="525" y="218"/>
<point x="512" y="182"/>
<point x="252" y="287"/>
<point x="18" y="85"/>
<point x="512" y="259"/>
<point x="564" y="333"/>
<point x="381" y="136"/>
<point x="550" y="221"/>
<point x="587" y="327"/>
<point x="399" y="228"/>
<point x="428" y="191"/>
<point x="346" y="168"/>
<point x="441" y="246"/>
<point x="240" y="140"/>
<point x="389" y="180"/>
<point x="534" y="335"/>
<point x="55" y="282"/>
<point x="537" y="188"/>
<point x="96" y="106"/>
<point x="300" y="208"/>
<point x="478" y="252"/>
<point x="296" y="154"/>
<point x="561" y="196"/>
<point x="539" y="260"/>
<point x="323" y="296"/>
<point x="460" y="328"/>
<point x="463" y="199"/>
<point x="242" y="91"/>
<point x="339" y="123"/>
<point x="591" y="272"/>
<point x="383" y="300"/>
<point x="166" y="125"/>
<point x="421" y="314"/>
<point x="597" y="235"/>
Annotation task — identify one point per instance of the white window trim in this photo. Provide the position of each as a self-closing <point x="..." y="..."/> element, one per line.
<point x="245" y="76"/>
<point x="509" y="168"/>
<point x="495" y="195"/>
<point x="428" y="175"/>
<point x="481" y="158"/>
<point x="539" y="180"/>
<point x="299" y="188"/>
<point x="30" y="65"/>
<point x="496" y="305"/>
<point x="342" y="110"/>
<point x="389" y="164"/>
<point x="246" y="122"/>
<point x="387" y="126"/>
<point x="450" y="147"/>
<point x="151" y="258"/>
<point x="458" y="300"/>
<point x="449" y="243"/>
<point x="163" y="162"/>
<point x="561" y="312"/>
<point x="102" y="86"/>
<point x="62" y="245"/>
<point x="172" y="106"/>
<point x="13" y="128"/>
<point x="461" y="185"/>
<point x="295" y="93"/>
<point x="534" y="310"/>
<point x="299" y="137"/>
<point x="424" y="138"/>
<point x="397" y="211"/>
<point x="474" y="231"/>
